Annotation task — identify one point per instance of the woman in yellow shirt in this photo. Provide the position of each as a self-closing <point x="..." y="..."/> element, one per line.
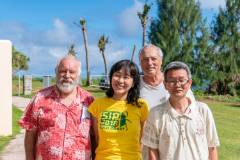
<point x="119" y="117"/>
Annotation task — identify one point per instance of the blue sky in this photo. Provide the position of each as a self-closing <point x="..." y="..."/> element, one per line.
<point x="44" y="29"/>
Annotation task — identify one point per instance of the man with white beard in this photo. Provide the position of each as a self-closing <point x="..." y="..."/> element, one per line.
<point x="57" y="122"/>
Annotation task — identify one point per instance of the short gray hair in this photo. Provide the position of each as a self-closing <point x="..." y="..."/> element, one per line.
<point x="68" y="57"/>
<point x="159" y="51"/>
<point x="177" y="65"/>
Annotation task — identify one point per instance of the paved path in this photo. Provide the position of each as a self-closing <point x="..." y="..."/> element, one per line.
<point x="15" y="149"/>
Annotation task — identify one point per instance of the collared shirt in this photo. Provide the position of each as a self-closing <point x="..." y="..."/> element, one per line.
<point x="62" y="132"/>
<point x="181" y="136"/>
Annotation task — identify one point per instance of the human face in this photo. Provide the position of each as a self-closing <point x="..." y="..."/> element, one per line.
<point x="121" y="84"/>
<point x="150" y="61"/>
<point x="67" y="75"/>
<point x="177" y="82"/>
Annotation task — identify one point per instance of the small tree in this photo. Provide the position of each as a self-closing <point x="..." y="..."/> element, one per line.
<point x="71" y="50"/>
<point x="101" y="45"/>
<point x="143" y="16"/>
<point x="84" y="31"/>
<point x="82" y="25"/>
<point x="19" y="61"/>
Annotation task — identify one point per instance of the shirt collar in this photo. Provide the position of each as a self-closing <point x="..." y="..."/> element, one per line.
<point x="56" y="95"/>
<point x="188" y="113"/>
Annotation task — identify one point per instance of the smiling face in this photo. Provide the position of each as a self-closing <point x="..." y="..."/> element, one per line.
<point x="150" y="61"/>
<point x="177" y="82"/>
<point x="67" y="75"/>
<point x="121" y="84"/>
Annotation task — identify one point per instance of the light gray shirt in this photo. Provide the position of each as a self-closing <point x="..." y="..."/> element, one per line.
<point x="155" y="95"/>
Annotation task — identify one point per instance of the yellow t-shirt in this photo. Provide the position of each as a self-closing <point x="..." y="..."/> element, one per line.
<point x="118" y="128"/>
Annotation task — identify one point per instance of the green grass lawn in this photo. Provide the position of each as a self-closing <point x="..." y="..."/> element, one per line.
<point x="227" y="118"/>
<point x="17" y="113"/>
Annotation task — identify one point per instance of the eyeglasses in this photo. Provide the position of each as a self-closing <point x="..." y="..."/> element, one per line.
<point x="182" y="82"/>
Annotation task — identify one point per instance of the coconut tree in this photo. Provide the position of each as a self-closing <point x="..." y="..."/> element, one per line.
<point x="103" y="40"/>
<point x="71" y="50"/>
<point x="143" y="16"/>
<point x="84" y="31"/>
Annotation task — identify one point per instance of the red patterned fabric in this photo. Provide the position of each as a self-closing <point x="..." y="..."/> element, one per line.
<point x="63" y="132"/>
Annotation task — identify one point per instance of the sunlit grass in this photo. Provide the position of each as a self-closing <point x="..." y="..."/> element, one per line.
<point x="227" y="118"/>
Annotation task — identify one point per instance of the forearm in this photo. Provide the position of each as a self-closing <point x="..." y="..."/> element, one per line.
<point x="153" y="154"/>
<point x="29" y="144"/>
<point x="213" y="155"/>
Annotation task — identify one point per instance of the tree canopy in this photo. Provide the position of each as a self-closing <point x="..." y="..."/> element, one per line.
<point x="179" y="30"/>
<point x="19" y="61"/>
<point x="226" y="40"/>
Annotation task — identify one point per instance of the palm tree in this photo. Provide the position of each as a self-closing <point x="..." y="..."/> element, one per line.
<point x="144" y="18"/>
<point x="101" y="45"/>
<point x="71" y="51"/>
<point x="84" y="31"/>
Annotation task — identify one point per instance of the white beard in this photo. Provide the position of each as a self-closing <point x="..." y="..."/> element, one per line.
<point x="67" y="87"/>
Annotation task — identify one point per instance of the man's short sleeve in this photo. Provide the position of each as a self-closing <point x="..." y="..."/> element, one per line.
<point x="212" y="137"/>
<point x="29" y="118"/>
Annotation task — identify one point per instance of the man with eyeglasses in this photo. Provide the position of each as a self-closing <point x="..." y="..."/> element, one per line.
<point x="151" y="83"/>
<point x="180" y="129"/>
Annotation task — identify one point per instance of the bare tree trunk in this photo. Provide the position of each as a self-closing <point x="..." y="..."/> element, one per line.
<point x="105" y="63"/>
<point x="134" y="48"/>
<point x="144" y="36"/>
<point x="87" y="60"/>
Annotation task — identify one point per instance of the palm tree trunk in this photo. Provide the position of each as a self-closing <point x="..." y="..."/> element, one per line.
<point x="105" y="63"/>
<point x="134" y="48"/>
<point x="87" y="60"/>
<point x="144" y="36"/>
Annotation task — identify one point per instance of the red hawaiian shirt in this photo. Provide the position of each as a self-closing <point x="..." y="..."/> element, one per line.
<point x="63" y="133"/>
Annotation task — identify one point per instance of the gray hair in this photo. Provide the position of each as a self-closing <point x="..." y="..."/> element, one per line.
<point x="177" y="65"/>
<point x="68" y="57"/>
<point x="159" y="51"/>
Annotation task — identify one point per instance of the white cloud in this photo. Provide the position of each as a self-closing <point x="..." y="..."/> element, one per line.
<point x="129" y="23"/>
<point x="42" y="47"/>
<point x="59" y="34"/>
<point x="212" y="4"/>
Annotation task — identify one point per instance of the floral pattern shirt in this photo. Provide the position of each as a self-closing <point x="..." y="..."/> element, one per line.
<point x="63" y="133"/>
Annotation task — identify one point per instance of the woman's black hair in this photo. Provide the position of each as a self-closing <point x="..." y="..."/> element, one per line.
<point x="132" y="69"/>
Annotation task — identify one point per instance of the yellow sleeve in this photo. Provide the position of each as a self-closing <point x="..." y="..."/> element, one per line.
<point x="144" y="109"/>
<point x="93" y="108"/>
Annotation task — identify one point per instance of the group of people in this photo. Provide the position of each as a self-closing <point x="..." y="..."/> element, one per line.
<point x="151" y="116"/>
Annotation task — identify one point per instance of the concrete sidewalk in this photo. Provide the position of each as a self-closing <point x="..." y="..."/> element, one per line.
<point x="15" y="149"/>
